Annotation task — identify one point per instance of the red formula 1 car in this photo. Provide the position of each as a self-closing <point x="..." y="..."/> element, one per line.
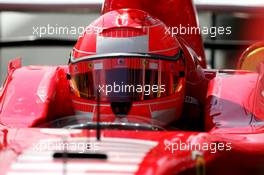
<point x="135" y="98"/>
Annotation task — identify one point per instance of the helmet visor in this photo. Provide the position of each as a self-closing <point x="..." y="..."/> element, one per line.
<point x="125" y="79"/>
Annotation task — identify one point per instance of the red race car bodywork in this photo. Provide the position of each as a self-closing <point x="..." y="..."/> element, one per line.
<point x="231" y="102"/>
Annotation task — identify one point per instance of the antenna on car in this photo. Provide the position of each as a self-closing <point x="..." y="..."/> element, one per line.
<point x="65" y="157"/>
<point x="98" y="128"/>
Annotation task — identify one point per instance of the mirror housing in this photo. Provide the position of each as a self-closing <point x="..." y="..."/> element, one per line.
<point x="252" y="57"/>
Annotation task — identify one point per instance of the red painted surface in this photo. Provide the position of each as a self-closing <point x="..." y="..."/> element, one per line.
<point x="159" y="160"/>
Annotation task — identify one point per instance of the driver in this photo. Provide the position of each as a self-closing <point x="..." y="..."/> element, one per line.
<point x="126" y="62"/>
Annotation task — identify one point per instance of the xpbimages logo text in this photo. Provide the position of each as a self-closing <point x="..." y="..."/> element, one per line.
<point x="129" y="88"/>
<point x="173" y="146"/>
<point x="49" y="30"/>
<point x="192" y="30"/>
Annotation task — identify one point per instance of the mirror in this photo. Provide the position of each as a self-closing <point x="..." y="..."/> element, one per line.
<point x="252" y="57"/>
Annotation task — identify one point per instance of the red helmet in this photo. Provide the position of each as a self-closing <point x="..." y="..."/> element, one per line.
<point x="137" y="68"/>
